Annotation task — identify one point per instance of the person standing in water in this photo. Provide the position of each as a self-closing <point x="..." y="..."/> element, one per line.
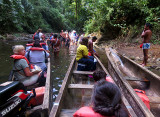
<point x="56" y="44"/>
<point x="63" y="37"/>
<point x="146" y="35"/>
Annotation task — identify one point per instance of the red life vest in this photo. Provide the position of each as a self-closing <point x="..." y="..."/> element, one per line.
<point x="31" y="44"/>
<point x="42" y="44"/>
<point x="87" y="112"/>
<point x="36" y="49"/>
<point x="143" y="97"/>
<point x="21" y="57"/>
<point x="34" y="35"/>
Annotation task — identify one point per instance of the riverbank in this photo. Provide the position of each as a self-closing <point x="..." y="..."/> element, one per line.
<point x="134" y="52"/>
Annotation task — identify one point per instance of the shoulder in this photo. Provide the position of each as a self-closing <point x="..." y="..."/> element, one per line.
<point x="21" y="62"/>
<point x="148" y="31"/>
<point x="83" y="47"/>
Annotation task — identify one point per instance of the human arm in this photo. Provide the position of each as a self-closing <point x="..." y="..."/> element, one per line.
<point x="24" y="65"/>
<point x="29" y="73"/>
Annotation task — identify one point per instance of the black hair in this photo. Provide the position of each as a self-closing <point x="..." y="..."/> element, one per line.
<point x="98" y="75"/>
<point x="94" y="38"/>
<point x="84" y="41"/>
<point x="107" y="100"/>
<point x="149" y="25"/>
<point x="36" y="44"/>
<point x="55" y="35"/>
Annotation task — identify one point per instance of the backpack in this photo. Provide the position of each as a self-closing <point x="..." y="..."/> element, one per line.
<point x="36" y="36"/>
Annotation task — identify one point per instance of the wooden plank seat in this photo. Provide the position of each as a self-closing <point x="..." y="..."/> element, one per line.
<point x="83" y="72"/>
<point x="154" y="100"/>
<point x="80" y="86"/>
<point x="67" y="112"/>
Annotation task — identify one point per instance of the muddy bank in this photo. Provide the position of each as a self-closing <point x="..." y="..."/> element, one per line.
<point x="134" y="52"/>
<point x="19" y="37"/>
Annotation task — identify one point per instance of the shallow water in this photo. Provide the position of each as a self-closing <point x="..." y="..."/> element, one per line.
<point x="59" y="67"/>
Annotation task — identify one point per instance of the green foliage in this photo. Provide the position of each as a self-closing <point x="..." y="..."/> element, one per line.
<point x="111" y="17"/>
<point x="29" y="15"/>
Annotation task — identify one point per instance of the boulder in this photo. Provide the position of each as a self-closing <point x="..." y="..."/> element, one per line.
<point x="2" y="38"/>
<point x="10" y="37"/>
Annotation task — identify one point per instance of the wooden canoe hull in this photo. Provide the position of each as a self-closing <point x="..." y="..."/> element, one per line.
<point x="136" y="103"/>
<point x="76" y="92"/>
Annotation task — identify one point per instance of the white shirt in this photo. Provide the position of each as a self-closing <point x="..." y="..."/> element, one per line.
<point x="40" y="36"/>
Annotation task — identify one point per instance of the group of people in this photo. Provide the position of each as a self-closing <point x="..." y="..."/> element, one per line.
<point x="36" y="53"/>
<point x="30" y="62"/>
<point x="85" y="53"/>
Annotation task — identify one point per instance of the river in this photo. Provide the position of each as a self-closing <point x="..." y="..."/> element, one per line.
<point x="59" y="65"/>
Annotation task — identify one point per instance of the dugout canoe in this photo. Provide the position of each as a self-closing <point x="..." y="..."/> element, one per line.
<point x="76" y="92"/>
<point x="130" y="75"/>
<point x="45" y="107"/>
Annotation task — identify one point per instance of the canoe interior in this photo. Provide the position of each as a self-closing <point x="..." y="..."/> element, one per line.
<point x="150" y="82"/>
<point x="45" y="107"/>
<point x="76" y="92"/>
<point x="138" y="78"/>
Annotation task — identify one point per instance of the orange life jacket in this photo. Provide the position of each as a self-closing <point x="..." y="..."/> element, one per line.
<point x="21" y="57"/>
<point x="87" y="112"/>
<point x="36" y="49"/>
<point x="29" y="44"/>
<point x="143" y="97"/>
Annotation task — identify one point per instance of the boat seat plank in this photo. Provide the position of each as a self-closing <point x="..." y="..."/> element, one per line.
<point x="83" y="72"/>
<point x="80" y="86"/>
<point x="67" y="112"/>
<point x="155" y="100"/>
<point x="136" y="79"/>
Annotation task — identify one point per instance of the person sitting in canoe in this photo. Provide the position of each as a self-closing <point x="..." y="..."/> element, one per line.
<point x="101" y="75"/>
<point x="90" y="47"/>
<point x="107" y="100"/>
<point x="37" y="55"/>
<point x="22" y="70"/>
<point x="82" y="56"/>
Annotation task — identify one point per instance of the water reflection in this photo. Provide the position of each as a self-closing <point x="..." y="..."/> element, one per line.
<point x="59" y="67"/>
<point x="6" y="61"/>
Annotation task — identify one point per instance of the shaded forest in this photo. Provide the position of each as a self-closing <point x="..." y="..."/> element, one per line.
<point x="110" y="17"/>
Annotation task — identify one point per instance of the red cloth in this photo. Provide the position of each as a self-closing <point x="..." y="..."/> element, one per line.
<point x="141" y="45"/>
<point x="109" y="79"/>
<point x="143" y="97"/>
